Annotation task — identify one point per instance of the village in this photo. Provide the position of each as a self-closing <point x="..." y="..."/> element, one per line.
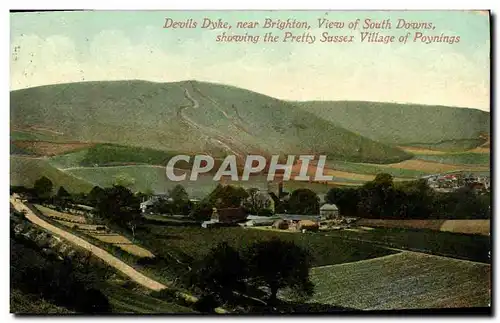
<point x="448" y="182"/>
<point x="328" y="217"/>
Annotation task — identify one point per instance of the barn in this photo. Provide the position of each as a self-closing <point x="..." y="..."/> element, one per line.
<point x="228" y="215"/>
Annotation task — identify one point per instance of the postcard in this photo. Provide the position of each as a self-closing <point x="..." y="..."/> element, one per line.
<point x="250" y="162"/>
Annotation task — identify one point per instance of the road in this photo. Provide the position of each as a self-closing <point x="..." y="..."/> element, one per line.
<point x="101" y="253"/>
<point x="98" y="252"/>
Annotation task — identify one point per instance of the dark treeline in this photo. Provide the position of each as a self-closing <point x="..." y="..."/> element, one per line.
<point x="382" y="198"/>
<point x="72" y="283"/>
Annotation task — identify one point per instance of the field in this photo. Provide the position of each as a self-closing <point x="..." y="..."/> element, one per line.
<point x="468" y="158"/>
<point x="433" y="167"/>
<point x="452" y="145"/>
<point x="456" y="245"/>
<point x="60" y="215"/>
<point x="457" y="226"/>
<point x="48" y="148"/>
<point x="196" y="242"/>
<point x="373" y="169"/>
<point x="110" y="154"/>
<point x="79" y="223"/>
<point x="405" y="280"/>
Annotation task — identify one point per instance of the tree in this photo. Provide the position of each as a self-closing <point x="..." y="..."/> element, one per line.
<point x="346" y="200"/>
<point x="179" y="200"/>
<point x="379" y="198"/>
<point x="43" y="187"/>
<point x="119" y="205"/>
<point x="303" y="201"/>
<point x="225" y="196"/>
<point x="62" y="197"/>
<point x="278" y="264"/>
<point x="258" y="202"/>
<point x="220" y="272"/>
<point x="95" y="195"/>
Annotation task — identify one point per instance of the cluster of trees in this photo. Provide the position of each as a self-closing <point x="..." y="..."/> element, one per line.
<point x="254" y="201"/>
<point x="225" y="273"/>
<point x="384" y="199"/>
<point x="178" y="202"/>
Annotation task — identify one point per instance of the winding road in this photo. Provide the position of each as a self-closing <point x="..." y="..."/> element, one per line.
<point x="98" y="252"/>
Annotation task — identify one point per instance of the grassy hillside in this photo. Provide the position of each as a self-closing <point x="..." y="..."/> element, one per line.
<point x="405" y="123"/>
<point x="186" y="116"/>
<point x="25" y="171"/>
<point x="459" y="158"/>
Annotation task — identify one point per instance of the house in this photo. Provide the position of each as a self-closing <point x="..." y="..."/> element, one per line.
<point x="228" y="215"/>
<point x="152" y="200"/>
<point x="329" y="212"/>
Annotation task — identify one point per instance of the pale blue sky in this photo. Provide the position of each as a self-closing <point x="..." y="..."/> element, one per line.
<point x="61" y="47"/>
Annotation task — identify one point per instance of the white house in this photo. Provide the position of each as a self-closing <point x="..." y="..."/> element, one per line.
<point x="329" y="211"/>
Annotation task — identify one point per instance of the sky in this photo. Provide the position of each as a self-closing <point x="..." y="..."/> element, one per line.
<point x="62" y="47"/>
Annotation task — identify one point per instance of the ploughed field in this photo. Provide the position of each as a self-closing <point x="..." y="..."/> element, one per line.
<point x="406" y="280"/>
<point x="349" y="273"/>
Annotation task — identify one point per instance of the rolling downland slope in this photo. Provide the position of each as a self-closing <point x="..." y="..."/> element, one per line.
<point x="186" y="116"/>
<point x="437" y="127"/>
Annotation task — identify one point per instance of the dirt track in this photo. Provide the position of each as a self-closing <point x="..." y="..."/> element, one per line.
<point x="104" y="255"/>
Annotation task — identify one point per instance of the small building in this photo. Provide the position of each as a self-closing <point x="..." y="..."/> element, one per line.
<point x="228" y="215"/>
<point x="329" y="212"/>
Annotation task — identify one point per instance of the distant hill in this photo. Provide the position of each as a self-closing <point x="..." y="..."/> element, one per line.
<point x="406" y="124"/>
<point x="191" y="117"/>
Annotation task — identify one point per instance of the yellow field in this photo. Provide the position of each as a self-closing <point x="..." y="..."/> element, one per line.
<point x="421" y="151"/>
<point x="136" y="250"/>
<point x="81" y="226"/>
<point x="481" y="227"/>
<point x="123" y="243"/>
<point x="433" y="167"/>
<point x="481" y="150"/>
<point x="91" y="230"/>
<point x="55" y="214"/>
<point x="112" y="238"/>
<point x="467" y="226"/>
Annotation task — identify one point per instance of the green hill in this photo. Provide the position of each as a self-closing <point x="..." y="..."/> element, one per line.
<point x="406" y="124"/>
<point x="25" y="171"/>
<point x="187" y="116"/>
